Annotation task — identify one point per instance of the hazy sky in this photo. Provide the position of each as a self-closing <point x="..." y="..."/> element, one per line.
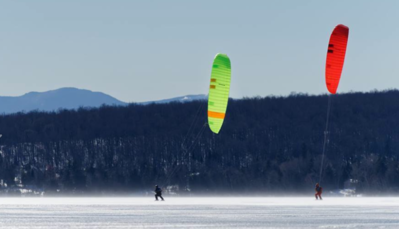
<point x="148" y="50"/>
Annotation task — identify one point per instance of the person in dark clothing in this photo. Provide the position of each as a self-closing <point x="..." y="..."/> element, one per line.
<point x="318" y="190"/>
<point x="158" y="193"/>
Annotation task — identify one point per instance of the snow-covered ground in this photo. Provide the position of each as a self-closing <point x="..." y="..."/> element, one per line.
<point x="199" y="213"/>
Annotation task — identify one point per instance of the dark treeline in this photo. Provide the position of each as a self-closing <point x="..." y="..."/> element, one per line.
<point x="266" y="145"/>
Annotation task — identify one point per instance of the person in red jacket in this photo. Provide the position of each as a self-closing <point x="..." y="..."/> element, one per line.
<point x="318" y="190"/>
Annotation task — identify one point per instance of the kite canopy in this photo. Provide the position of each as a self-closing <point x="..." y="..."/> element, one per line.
<point x="336" y="57"/>
<point x="219" y="92"/>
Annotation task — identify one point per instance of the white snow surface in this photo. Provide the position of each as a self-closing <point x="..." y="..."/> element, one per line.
<point x="194" y="212"/>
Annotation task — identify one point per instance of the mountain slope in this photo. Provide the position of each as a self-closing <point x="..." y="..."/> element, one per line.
<point x="71" y="98"/>
<point x="267" y="145"/>
<point x="182" y="99"/>
<point x="66" y="98"/>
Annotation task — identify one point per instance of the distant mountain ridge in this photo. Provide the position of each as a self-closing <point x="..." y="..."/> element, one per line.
<point x="65" y="98"/>
<point x="183" y="99"/>
<point x="70" y="98"/>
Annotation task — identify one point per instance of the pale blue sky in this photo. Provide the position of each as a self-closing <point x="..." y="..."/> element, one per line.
<point x="148" y="50"/>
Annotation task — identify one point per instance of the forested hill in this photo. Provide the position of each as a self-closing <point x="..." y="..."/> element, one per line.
<point x="266" y="145"/>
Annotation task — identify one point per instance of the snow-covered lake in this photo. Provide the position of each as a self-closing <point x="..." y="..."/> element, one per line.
<point x="199" y="213"/>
